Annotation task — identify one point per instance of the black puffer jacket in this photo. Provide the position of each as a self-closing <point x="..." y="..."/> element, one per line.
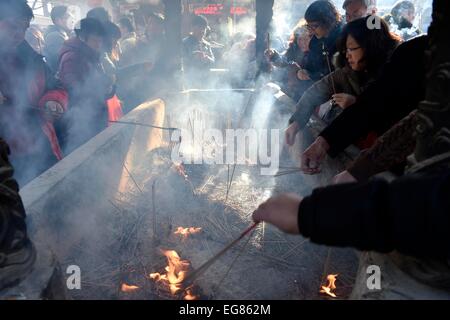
<point x="316" y="63"/>
<point x="12" y="212"/>
<point x="410" y="215"/>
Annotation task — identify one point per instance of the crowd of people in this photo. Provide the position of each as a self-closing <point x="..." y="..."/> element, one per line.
<point x="364" y="75"/>
<point x="61" y="86"/>
<point x="374" y="96"/>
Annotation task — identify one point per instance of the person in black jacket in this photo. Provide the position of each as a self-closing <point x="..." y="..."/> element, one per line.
<point x="17" y="252"/>
<point x="385" y="102"/>
<point x="373" y="216"/>
<point x="325" y="23"/>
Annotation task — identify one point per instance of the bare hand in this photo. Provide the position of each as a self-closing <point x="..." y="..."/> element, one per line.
<point x="313" y="157"/>
<point x="344" y="100"/>
<point x="53" y="111"/>
<point x="270" y="53"/>
<point x="344" y="177"/>
<point x="280" y="211"/>
<point x="291" y="133"/>
<point x="303" y="75"/>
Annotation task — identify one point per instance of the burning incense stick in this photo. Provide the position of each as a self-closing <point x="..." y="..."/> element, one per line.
<point x="241" y="251"/>
<point x="144" y="125"/>
<point x="189" y="280"/>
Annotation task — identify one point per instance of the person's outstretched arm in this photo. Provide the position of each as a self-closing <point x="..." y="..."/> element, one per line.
<point x="410" y="215"/>
<point x="389" y="99"/>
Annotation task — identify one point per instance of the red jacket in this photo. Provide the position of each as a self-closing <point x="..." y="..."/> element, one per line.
<point x="82" y="75"/>
<point x="27" y="84"/>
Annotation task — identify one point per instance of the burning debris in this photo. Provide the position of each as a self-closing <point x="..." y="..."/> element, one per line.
<point x="328" y="289"/>
<point x="128" y="288"/>
<point x="176" y="272"/>
<point x="186" y="232"/>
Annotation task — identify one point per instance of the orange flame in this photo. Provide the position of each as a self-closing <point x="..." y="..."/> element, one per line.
<point x="127" y="288"/>
<point x="186" y="232"/>
<point x="175" y="272"/>
<point x="189" y="295"/>
<point x="330" y="286"/>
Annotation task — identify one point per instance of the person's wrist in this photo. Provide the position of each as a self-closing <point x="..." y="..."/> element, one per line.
<point x="323" y="143"/>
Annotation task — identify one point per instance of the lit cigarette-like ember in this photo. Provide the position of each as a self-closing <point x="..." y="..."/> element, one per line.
<point x="127" y="288"/>
<point x="186" y="232"/>
<point x="330" y="286"/>
<point x="181" y="170"/>
<point x="175" y="274"/>
<point x="190" y="295"/>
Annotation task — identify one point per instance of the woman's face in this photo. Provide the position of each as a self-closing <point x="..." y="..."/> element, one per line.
<point x="317" y="29"/>
<point x="354" y="54"/>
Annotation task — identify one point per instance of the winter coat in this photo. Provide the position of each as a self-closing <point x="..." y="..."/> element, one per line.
<point x="409" y="215"/>
<point x="317" y="64"/>
<point x="394" y="95"/>
<point x="128" y="43"/>
<point x="402" y="27"/>
<point x="389" y="151"/>
<point x="191" y="46"/>
<point x="345" y="81"/>
<point x="89" y="87"/>
<point x="293" y="54"/>
<point x="54" y="40"/>
<point x="28" y="84"/>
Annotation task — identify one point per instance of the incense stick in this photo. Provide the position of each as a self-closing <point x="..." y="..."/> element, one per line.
<point x="326" y="53"/>
<point x="188" y="281"/>
<point x="144" y="125"/>
<point x="284" y="173"/>
<point x="132" y="178"/>
<point x="241" y="251"/>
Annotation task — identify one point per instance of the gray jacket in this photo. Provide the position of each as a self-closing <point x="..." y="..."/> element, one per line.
<point x="345" y="81"/>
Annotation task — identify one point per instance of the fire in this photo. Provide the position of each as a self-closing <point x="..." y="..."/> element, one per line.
<point x="186" y="232"/>
<point x="127" y="288"/>
<point x="331" y="286"/>
<point x="189" y="295"/>
<point x="175" y="273"/>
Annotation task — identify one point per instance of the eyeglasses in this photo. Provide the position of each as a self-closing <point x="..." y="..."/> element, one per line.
<point x="349" y="50"/>
<point x="313" y="26"/>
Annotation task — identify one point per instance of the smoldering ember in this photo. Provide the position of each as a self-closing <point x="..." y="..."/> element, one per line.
<point x="224" y="150"/>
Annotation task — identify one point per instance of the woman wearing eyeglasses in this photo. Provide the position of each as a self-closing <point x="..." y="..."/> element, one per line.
<point x="325" y="24"/>
<point x="362" y="55"/>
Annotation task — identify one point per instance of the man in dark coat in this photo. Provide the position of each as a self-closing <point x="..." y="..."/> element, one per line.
<point x="198" y="56"/>
<point x="89" y="87"/>
<point x="17" y="253"/>
<point x="31" y="99"/>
